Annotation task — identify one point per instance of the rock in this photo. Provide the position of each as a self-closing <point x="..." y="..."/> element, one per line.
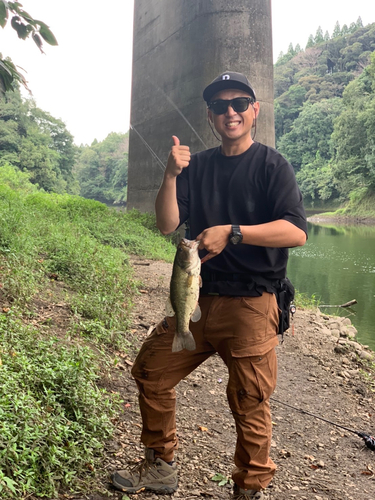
<point x="354" y="344"/>
<point x="366" y="355"/>
<point x="344" y="333"/>
<point x="284" y="454"/>
<point x="336" y="332"/>
<point x="333" y="324"/>
<point x="340" y="349"/>
<point x="352" y="356"/>
<point x="325" y="331"/>
<point x="346" y="321"/>
<point x="348" y="331"/>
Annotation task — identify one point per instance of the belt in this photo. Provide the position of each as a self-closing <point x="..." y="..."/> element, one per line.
<point x="218" y="276"/>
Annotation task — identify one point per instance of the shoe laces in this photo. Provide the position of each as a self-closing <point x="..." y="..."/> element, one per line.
<point x="142" y="467"/>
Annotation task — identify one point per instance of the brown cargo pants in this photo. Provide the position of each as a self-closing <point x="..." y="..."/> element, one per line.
<point x="242" y="330"/>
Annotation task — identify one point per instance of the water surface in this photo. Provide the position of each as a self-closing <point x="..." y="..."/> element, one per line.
<point x="336" y="265"/>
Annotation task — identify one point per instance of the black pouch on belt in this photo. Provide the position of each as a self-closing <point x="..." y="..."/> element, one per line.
<point x="285" y="296"/>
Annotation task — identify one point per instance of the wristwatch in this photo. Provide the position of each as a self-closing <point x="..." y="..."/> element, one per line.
<point x="235" y="236"/>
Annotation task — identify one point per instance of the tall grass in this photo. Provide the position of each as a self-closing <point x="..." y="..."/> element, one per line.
<point x="53" y="417"/>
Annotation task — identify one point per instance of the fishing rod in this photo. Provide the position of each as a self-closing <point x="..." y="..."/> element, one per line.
<point x="161" y="164"/>
<point x="178" y="111"/>
<point x="149" y="148"/>
<point x="369" y="440"/>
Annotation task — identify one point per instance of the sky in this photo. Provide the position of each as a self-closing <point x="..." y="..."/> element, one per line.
<point x="86" y="80"/>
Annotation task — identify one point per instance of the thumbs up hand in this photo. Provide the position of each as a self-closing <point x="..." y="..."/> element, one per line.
<point x="178" y="159"/>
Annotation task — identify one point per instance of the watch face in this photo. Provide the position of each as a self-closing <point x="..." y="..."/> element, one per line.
<point x="235" y="238"/>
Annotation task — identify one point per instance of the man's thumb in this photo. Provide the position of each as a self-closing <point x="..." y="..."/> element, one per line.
<point x="176" y="140"/>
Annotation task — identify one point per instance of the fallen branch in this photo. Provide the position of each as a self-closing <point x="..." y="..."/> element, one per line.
<point x="347" y="304"/>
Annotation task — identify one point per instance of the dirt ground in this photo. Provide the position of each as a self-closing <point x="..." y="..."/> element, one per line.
<point x="319" y="372"/>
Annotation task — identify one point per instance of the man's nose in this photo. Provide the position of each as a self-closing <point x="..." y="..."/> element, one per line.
<point x="230" y="110"/>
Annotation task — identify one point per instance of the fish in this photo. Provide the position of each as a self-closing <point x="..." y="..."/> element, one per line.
<point x="184" y="293"/>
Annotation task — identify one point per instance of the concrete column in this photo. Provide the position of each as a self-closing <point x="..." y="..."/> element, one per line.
<point x="180" y="46"/>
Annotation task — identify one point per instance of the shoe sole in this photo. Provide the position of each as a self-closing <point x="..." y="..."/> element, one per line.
<point x="154" y="489"/>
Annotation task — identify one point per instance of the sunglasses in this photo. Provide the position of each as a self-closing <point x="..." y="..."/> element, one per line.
<point x="239" y="105"/>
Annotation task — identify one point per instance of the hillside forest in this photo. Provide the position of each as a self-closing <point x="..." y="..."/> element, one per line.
<point x="325" y="114"/>
<point x="324" y="125"/>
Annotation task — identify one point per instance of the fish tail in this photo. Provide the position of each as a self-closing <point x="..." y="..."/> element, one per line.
<point x="183" y="341"/>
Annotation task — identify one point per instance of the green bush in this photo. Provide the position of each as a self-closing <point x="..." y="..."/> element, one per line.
<point x="53" y="417"/>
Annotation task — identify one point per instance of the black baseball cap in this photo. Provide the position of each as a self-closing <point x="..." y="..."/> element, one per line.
<point x="228" y="80"/>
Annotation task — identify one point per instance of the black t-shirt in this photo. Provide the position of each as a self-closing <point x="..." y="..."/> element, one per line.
<point x="252" y="188"/>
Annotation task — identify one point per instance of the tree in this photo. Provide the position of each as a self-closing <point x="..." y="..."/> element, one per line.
<point x="336" y="30"/>
<point x="25" y="26"/>
<point x="345" y="30"/>
<point x="319" y="38"/>
<point x="311" y="133"/>
<point x="102" y="169"/>
<point x="316" y="181"/>
<point x="310" y="42"/>
<point x="353" y="137"/>
<point x="35" y="142"/>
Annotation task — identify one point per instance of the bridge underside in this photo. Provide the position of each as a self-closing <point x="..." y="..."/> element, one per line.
<point x="179" y="47"/>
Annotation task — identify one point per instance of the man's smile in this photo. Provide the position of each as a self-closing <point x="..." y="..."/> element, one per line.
<point x="232" y="124"/>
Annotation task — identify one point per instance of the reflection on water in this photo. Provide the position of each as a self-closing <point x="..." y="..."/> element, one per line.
<point x="337" y="264"/>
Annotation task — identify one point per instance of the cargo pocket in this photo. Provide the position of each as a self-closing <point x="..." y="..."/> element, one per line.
<point x="252" y="379"/>
<point x="257" y="318"/>
<point x="152" y="359"/>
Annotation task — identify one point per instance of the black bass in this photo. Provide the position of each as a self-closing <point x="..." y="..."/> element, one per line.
<point x="184" y="293"/>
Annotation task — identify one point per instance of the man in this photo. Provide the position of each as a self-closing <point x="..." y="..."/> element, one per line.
<point x="244" y="206"/>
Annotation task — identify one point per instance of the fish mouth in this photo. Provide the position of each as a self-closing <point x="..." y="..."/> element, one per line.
<point x="190" y="243"/>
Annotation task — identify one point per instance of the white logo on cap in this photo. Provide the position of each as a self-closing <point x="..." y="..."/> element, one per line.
<point x="225" y="77"/>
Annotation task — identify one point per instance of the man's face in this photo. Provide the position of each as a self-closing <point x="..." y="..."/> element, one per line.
<point x="233" y="126"/>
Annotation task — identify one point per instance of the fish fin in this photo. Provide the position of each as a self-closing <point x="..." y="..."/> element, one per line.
<point x="168" y="308"/>
<point x="183" y="341"/>
<point x="196" y="316"/>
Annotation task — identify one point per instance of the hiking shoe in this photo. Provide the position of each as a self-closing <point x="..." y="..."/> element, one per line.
<point x="240" y="494"/>
<point x="151" y="474"/>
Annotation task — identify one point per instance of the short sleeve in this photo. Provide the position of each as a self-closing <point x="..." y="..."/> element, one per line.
<point x="284" y="195"/>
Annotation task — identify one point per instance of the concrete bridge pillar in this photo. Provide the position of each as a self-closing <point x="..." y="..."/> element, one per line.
<point x="179" y="47"/>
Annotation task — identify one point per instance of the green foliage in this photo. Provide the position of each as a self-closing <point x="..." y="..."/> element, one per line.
<point x="221" y="480"/>
<point x="102" y="169"/>
<point x="304" y="301"/>
<point x="353" y="136"/>
<point x="319" y="37"/>
<point x="324" y="113"/>
<point x="16" y="179"/>
<point x="54" y="419"/>
<point x="25" y="26"/>
<point x="311" y="133"/>
<point x="35" y="142"/>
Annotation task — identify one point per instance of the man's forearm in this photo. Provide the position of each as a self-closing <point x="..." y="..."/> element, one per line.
<point x="279" y="233"/>
<point x="166" y="207"/>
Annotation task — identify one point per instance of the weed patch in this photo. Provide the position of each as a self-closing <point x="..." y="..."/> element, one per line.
<point x="53" y="417"/>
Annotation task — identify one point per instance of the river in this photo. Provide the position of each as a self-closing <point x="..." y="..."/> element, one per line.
<point x="336" y="265"/>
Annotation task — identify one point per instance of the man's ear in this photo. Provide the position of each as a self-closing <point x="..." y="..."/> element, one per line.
<point x="256" y="109"/>
<point x="209" y="115"/>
